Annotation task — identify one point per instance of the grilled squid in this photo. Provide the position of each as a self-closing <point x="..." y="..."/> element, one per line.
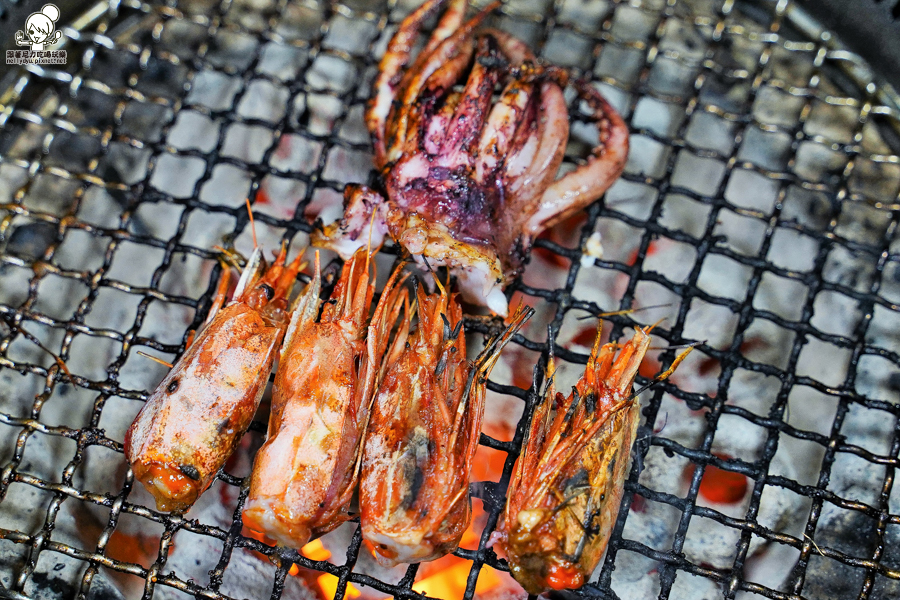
<point x="194" y="420"/>
<point x="305" y="474"/>
<point x="469" y="137"/>
<point x="422" y="437"/>
<point x="565" y="491"/>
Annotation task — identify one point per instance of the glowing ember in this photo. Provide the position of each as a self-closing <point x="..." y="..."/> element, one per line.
<point x="132" y="548"/>
<point x="720" y="486"/>
<point x="586" y="336"/>
<point x="632" y="258"/>
<point x="650" y="366"/>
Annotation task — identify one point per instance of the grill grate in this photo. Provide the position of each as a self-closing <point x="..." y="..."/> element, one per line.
<point x="758" y="212"/>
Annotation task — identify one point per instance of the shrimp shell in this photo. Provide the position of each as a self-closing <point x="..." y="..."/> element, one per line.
<point x="305" y="474"/>
<point x="423" y="434"/>
<point x="565" y="491"/>
<point x="194" y="420"/>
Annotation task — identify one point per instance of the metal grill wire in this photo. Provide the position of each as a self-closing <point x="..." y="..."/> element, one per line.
<point x="125" y="57"/>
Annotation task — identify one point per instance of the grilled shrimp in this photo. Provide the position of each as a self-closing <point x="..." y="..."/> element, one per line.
<point x="422" y="437"/>
<point x="565" y="491"/>
<point x="305" y="474"/>
<point x="194" y="420"/>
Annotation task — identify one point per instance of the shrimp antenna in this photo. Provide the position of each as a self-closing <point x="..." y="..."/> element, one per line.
<point x="665" y="374"/>
<point x="675" y="347"/>
<point x="595" y="350"/>
<point x="59" y="361"/>
<point x="550" y="371"/>
<point x="155" y="359"/>
<point x="252" y="222"/>
<point x="624" y="311"/>
<point x="230" y="257"/>
<point x="655" y="325"/>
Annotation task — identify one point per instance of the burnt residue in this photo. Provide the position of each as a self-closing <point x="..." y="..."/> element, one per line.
<point x="413" y="462"/>
<point x="190" y="471"/>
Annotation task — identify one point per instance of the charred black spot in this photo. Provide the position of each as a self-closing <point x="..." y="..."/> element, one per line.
<point x="454" y="334"/>
<point x="590" y="402"/>
<point x="578" y="480"/>
<point x="413" y="462"/>
<point x="415" y="485"/>
<point x="519" y="255"/>
<point x="224" y="425"/>
<point x="173" y="386"/>
<point x="493" y="62"/>
<point x="447" y="329"/>
<point x="190" y="471"/>
<point x="442" y="364"/>
<point x="268" y="290"/>
<point x="575" y="400"/>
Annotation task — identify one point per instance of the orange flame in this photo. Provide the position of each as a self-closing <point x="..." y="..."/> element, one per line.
<point x="450" y="583"/>
<point x="329" y="583"/>
<point x="315" y="550"/>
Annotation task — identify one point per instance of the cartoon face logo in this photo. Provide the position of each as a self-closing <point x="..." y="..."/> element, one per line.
<point x="40" y="29"/>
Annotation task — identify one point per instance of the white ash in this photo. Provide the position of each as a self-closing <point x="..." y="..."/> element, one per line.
<point x="593" y="249"/>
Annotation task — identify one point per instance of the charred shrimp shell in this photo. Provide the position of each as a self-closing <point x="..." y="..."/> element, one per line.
<point x="195" y="418"/>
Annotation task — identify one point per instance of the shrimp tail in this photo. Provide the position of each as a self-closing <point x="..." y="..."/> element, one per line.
<point x="353" y="293"/>
<point x="286" y="279"/>
<point x="394" y="299"/>
<point x="305" y="308"/>
<point x="253" y="270"/>
<point x="220" y="298"/>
